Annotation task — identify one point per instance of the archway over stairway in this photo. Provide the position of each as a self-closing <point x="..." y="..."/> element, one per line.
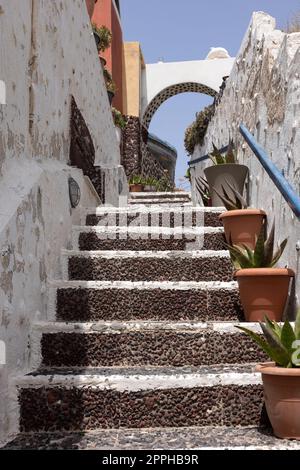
<point x="170" y="158"/>
<point x="169" y="92"/>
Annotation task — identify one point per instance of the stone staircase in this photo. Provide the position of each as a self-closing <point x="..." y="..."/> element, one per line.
<point x="141" y="351"/>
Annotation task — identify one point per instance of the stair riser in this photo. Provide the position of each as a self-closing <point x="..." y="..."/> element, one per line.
<point x="85" y="408"/>
<point x="148" y="304"/>
<point x="150" y="269"/>
<point x="157" y="348"/>
<point x="161" y="219"/>
<point x="91" y="241"/>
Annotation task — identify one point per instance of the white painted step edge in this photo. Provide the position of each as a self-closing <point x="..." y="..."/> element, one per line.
<point x="146" y="381"/>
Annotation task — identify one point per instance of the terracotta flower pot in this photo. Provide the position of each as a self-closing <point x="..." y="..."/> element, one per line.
<point x="264" y="292"/>
<point x="136" y="188"/>
<point x="218" y="175"/>
<point x="282" y="399"/>
<point x="243" y="226"/>
<point x="90" y="5"/>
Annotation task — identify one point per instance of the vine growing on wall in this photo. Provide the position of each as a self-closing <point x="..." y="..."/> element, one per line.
<point x="195" y="133"/>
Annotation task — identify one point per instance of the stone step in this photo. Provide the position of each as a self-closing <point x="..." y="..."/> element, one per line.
<point x="134" y="344"/>
<point x="174" y="195"/>
<point x="147" y="238"/>
<point x="193" y="438"/>
<point x="162" y="217"/>
<point x="138" y="266"/>
<point x="191" y="301"/>
<point x="90" y="399"/>
<point x="160" y="202"/>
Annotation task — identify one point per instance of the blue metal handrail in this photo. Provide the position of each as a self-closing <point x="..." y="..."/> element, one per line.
<point x="206" y="157"/>
<point x="274" y="173"/>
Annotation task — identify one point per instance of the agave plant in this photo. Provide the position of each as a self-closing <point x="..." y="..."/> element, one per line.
<point x="234" y="201"/>
<point x="221" y="159"/>
<point x="203" y="189"/>
<point x="280" y="342"/>
<point x="263" y="256"/>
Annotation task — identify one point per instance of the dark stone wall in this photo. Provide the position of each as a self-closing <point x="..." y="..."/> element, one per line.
<point x="136" y="157"/>
<point x="131" y="155"/>
<point x="82" y="150"/>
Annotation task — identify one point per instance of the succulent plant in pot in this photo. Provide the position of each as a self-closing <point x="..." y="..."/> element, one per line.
<point x="136" y="184"/>
<point x="203" y="190"/>
<point x="242" y="225"/>
<point x="151" y="185"/>
<point x="264" y="289"/>
<point x="281" y="378"/>
<point x="225" y="167"/>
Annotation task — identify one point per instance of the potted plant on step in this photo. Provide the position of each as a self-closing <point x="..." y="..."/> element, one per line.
<point x="264" y="289"/>
<point x="242" y="225"/>
<point x="150" y="185"/>
<point x="281" y="378"/>
<point x="136" y="184"/>
<point x="225" y="168"/>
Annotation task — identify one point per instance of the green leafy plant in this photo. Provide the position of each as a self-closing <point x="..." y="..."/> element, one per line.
<point x="195" y="133"/>
<point x="104" y="37"/>
<point x="136" y="179"/>
<point x="188" y="174"/>
<point x="203" y="189"/>
<point x="164" y="184"/>
<point x="110" y="84"/>
<point x="151" y="181"/>
<point x="118" y="118"/>
<point x="233" y="202"/>
<point x="262" y="256"/>
<point x="219" y="158"/>
<point x="279" y="342"/>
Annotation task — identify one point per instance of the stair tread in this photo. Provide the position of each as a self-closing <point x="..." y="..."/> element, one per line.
<point x="148" y="254"/>
<point x="142" y="377"/>
<point x="227" y="327"/>
<point x="180" y="285"/>
<point x="196" y="438"/>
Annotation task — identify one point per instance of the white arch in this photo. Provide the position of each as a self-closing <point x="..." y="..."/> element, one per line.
<point x="2" y="92"/>
<point x="160" y="76"/>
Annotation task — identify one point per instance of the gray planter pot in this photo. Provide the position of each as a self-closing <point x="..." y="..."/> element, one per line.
<point x="217" y="175"/>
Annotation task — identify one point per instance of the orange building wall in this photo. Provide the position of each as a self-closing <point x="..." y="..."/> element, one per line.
<point x="106" y="14"/>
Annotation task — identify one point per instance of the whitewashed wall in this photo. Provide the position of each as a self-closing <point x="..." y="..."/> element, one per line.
<point x="263" y="92"/>
<point x="47" y="54"/>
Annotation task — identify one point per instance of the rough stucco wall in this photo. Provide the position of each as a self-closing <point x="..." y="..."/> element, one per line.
<point x="64" y="62"/>
<point x="47" y="54"/>
<point x="15" y="30"/>
<point x="36" y="220"/>
<point x="263" y="93"/>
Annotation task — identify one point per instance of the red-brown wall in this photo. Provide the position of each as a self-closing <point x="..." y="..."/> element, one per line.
<point x="106" y="14"/>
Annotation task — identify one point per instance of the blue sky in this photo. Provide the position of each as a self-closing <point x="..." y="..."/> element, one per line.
<point x="186" y="30"/>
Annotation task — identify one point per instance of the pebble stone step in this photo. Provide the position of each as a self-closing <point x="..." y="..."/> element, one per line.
<point x="90" y="399"/>
<point x="191" y="438"/>
<point x="162" y="217"/>
<point x="172" y="301"/>
<point x="147" y="238"/>
<point x="162" y="195"/>
<point x="135" y="344"/>
<point x="153" y="266"/>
